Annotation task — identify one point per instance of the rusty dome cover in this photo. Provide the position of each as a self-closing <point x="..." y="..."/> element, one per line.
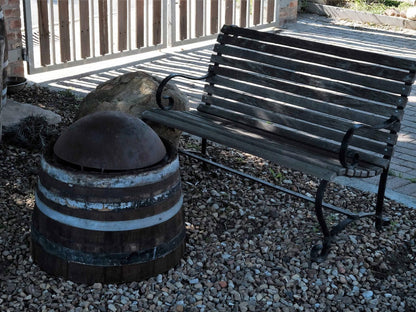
<point x="110" y="140"/>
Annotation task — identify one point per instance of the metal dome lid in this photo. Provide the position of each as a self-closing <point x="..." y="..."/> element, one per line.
<point x="110" y="140"/>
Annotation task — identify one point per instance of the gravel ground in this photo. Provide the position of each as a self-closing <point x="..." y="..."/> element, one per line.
<point x="247" y="246"/>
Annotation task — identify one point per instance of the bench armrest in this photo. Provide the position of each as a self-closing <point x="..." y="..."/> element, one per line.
<point x="388" y="124"/>
<point x="169" y="98"/>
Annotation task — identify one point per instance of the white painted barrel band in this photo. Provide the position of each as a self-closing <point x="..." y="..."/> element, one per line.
<point x="106" y="181"/>
<point x="78" y="204"/>
<point x="109" y="226"/>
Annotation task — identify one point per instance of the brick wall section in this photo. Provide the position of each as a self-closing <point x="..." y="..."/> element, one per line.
<point x="288" y="11"/>
<point x="11" y="11"/>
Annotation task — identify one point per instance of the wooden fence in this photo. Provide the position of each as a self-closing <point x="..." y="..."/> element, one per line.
<point x="61" y="33"/>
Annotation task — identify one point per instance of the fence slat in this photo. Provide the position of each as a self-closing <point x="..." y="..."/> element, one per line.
<point x="139" y="23"/>
<point x="103" y="25"/>
<point x="270" y="11"/>
<point x="157" y="22"/>
<point x="214" y="16"/>
<point x="183" y="19"/>
<point x="84" y="12"/>
<point x="228" y="12"/>
<point x="256" y="12"/>
<point x="64" y="39"/>
<point x="199" y="18"/>
<point x="243" y="13"/>
<point x="45" y="54"/>
<point x="122" y="25"/>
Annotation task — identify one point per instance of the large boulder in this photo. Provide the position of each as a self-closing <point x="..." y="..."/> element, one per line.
<point x="134" y="93"/>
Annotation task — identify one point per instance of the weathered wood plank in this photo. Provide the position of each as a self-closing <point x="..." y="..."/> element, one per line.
<point x="334" y="117"/>
<point x="300" y="79"/>
<point x="229" y="12"/>
<point x="64" y="39"/>
<point x="287" y="86"/>
<point x="323" y="59"/>
<point x="199" y="18"/>
<point x="122" y="25"/>
<point x="256" y="11"/>
<point x="157" y="22"/>
<point x="344" y="52"/>
<point x="314" y="69"/>
<point x="183" y="19"/>
<point x="260" y="143"/>
<point x="139" y="23"/>
<point x="84" y="15"/>
<point x="243" y="13"/>
<point x="43" y="20"/>
<point x="315" y="134"/>
<point x="103" y="24"/>
<point x="270" y="11"/>
<point x="214" y="16"/>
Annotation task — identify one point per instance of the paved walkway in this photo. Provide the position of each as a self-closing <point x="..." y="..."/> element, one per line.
<point x="194" y="60"/>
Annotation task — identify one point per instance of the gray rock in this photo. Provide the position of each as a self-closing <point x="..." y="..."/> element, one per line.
<point x="14" y="112"/>
<point x="134" y="93"/>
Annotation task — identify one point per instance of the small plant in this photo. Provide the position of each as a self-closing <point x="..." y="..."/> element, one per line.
<point x="276" y="176"/>
<point x="67" y="93"/>
<point x="192" y="145"/>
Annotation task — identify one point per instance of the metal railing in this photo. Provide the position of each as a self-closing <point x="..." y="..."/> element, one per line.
<point x="62" y="33"/>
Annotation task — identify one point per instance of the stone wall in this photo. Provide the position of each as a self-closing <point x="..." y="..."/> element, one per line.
<point x="11" y="11"/>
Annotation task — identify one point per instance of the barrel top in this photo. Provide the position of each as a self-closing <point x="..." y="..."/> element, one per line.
<point x="110" y="141"/>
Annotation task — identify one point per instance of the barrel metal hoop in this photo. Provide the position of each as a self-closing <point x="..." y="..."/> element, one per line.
<point x="108" y="259"/>
<point x="103" y="206"/>
<point x="109" y="226"/>
<point x="105" y="181"/>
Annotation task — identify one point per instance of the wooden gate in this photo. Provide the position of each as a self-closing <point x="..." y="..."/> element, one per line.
<point x="62" y="33"/>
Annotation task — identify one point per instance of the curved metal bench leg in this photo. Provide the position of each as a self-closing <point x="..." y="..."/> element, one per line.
<point x="320" y="252"/>
<point x="380" y="221"/>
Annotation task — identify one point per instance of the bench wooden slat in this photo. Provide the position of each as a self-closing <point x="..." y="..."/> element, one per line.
<point x="298" y="106"/>
<point x="292" y="93"/>
<point x="343" y="52"/>
<point x="352" y="65"/>
<point x="238" y="139"/>
<point x="296" y="78"/>
<point x="296" y="130"/>
<point x="313" y="122"/>
<point x="312" y="69"/>
<point x="305" y="158"/>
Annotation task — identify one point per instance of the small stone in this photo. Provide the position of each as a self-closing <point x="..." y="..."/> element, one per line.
<point x="223" y="284"/>
<point x="179" y="308"/>
<point x="368" y="294"/>
<point x="112" y="307"/>
<point x="97" y="286"/>
<point x="193" y="281"/>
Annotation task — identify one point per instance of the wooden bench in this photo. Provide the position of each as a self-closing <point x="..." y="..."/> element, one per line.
<point x="324" y="110"/>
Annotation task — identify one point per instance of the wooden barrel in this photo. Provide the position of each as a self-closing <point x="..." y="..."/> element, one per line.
<point x="4" y="59"/>
<point x="3" y="68"/>
<point x="108" y="227"/>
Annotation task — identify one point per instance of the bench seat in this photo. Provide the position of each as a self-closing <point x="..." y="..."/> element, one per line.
<point x="321" y="109"/>
<point x="285" y="152"/>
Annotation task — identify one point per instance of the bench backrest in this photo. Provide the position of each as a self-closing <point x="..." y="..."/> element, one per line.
<point x="308" y="91"/>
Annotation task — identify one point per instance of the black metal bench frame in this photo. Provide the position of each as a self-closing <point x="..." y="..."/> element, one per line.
<point x="384" y="82"/>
